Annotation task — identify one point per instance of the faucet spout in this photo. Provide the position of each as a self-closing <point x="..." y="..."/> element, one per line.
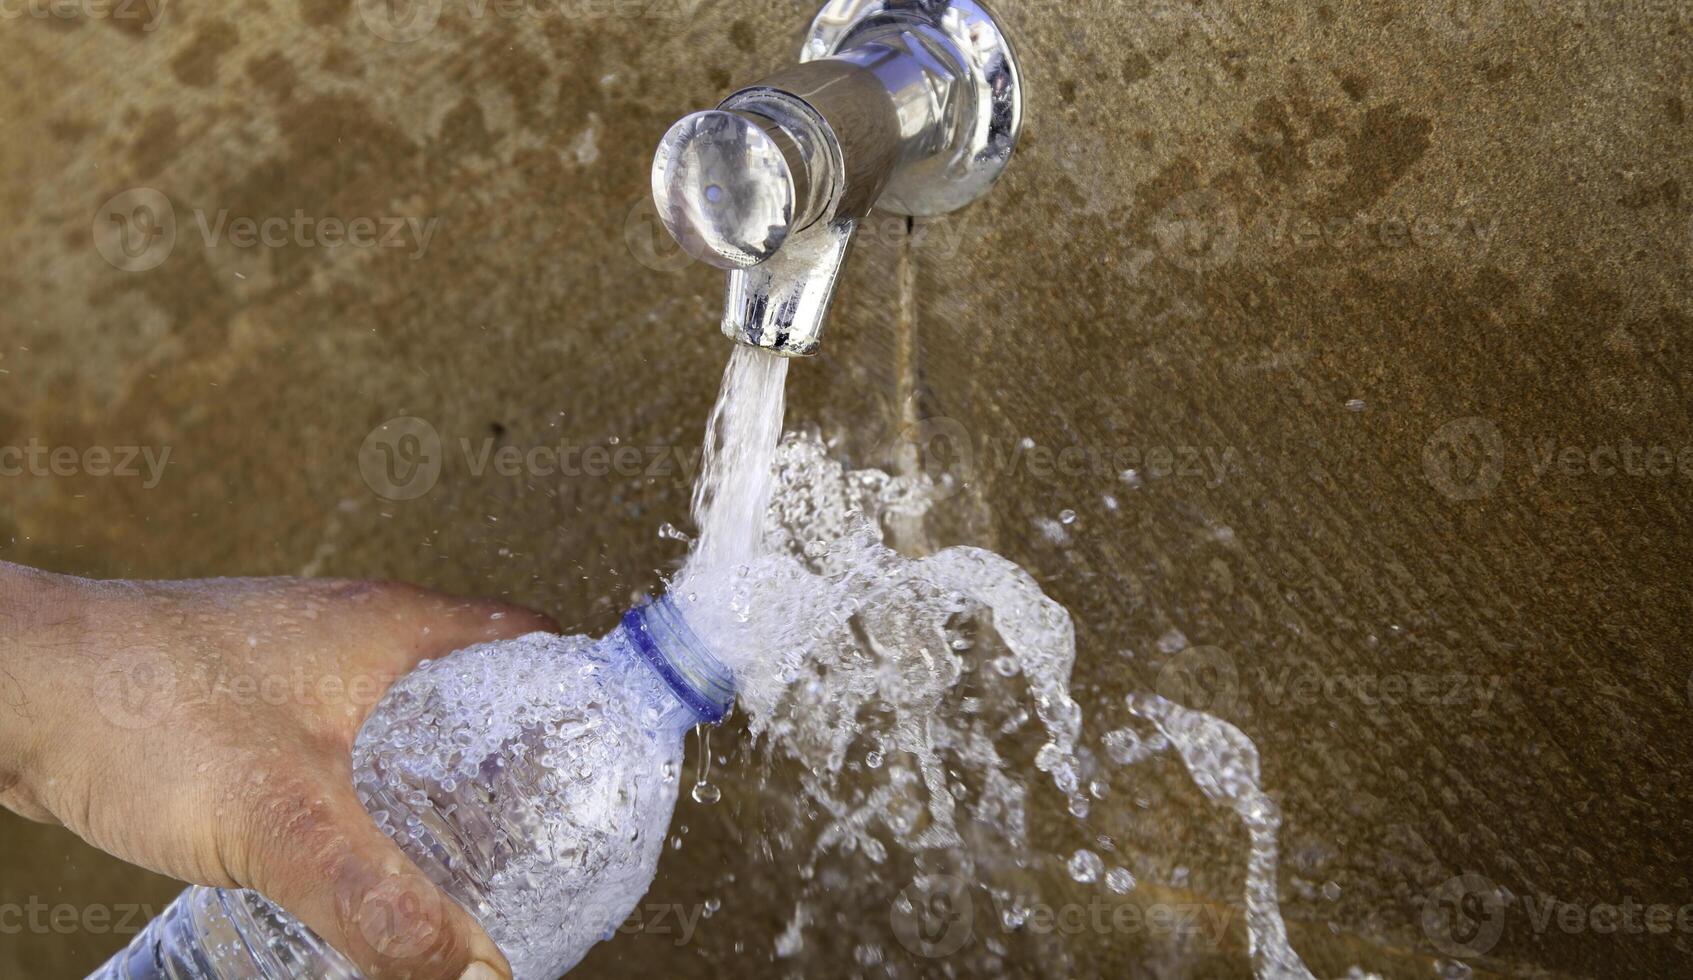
<point x="781" y="304"/>
<point x="910" y="105"/>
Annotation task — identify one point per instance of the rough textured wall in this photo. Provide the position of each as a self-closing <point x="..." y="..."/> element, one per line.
<point x="1385" y="303"/>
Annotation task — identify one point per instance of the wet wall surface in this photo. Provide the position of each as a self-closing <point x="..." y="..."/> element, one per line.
<point x="1354" y="335"/>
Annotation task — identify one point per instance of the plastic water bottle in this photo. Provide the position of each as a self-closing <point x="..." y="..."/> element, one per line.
<point x="533" y="780"/>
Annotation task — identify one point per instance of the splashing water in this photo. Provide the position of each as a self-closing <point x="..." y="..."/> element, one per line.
<point x="913" y="698"/>
<point x="1224" y="765"/>
<point x="898" y="690"/>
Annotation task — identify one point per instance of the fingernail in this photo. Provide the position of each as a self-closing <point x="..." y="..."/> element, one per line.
<point x="480" y="971"/>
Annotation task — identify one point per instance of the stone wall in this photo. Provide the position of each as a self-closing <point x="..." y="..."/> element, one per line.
<point x="1385" y="303"/>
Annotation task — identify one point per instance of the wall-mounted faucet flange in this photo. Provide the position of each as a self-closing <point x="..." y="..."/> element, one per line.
<point x="913" y="106"/>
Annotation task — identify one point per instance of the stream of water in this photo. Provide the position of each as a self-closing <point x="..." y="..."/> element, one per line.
<point x="922" y="700"/>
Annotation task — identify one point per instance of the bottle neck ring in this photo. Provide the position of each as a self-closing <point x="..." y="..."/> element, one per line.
<point x="661" y="637"/>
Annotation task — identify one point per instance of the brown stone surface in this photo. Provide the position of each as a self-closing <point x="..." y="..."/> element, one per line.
<point x="1198" y="251"/>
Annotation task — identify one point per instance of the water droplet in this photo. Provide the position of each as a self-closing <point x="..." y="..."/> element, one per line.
<point x="712" y="905"/>
<point x="1132" y="478"/>
<point x="1086" y="867"/>
<point x="1123" y="746"/>
<point x="1331" y="890"/>
<point x="1119" y="880"/>
<point x="704" y="792"/>
<point x="1067" y="516"/>
<point x="1356" y="405"/>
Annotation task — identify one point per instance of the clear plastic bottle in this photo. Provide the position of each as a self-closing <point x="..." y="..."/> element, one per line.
<point x="533" y="780"/>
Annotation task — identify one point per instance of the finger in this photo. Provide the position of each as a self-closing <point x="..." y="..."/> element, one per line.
<point x="17" y="798"/>
<point x="455" y="623"/>
<point x="326" y="862"/>
<point x="417" y="624"/>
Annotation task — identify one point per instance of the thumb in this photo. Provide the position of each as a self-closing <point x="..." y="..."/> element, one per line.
<point x="335" y="871"/>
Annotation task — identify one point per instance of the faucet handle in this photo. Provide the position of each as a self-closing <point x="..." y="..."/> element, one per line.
<point x="729" y="187"/>
<point x="911" y="105"/>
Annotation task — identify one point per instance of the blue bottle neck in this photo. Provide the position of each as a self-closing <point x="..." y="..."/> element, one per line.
<point x="662" y="639"/>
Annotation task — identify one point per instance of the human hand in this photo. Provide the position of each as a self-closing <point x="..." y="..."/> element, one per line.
<point x="204" y="730"/>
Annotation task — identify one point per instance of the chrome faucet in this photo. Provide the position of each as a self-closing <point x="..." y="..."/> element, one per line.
<point x="913" y="106"/>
